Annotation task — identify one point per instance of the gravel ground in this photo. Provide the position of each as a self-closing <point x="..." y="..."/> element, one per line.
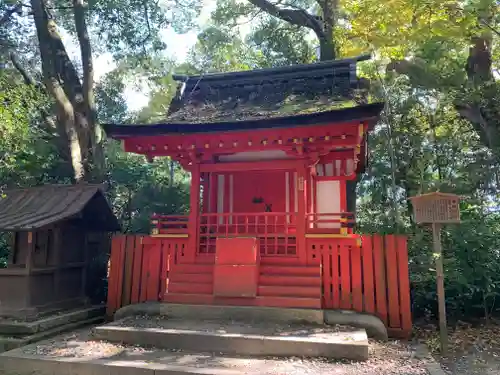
<point x="393" y="358"/>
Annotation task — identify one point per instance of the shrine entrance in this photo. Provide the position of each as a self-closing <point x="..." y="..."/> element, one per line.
<point x="261" y="191"/>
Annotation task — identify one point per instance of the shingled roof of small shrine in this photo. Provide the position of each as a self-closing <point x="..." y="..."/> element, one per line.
<point x="38" y="207"/>
<point x="265" y="93"/>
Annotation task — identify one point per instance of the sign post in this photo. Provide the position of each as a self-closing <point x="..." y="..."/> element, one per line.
<point x="438" y="209"/>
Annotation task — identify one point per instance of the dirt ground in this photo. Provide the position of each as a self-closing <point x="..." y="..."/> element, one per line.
<point x="472" y="350"/>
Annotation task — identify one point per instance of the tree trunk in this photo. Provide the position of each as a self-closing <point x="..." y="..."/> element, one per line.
<point x="328" y="49"/>
<point x="49" y="40"/>
<point x="96" y="156"/>
<point x="74" y="101"/>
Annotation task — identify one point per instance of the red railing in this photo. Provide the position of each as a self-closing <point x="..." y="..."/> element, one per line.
<point x="261" y="223"/>
<point x="330" y="222"/>
<point x="170" y="224"/>
<point x="275" y="231"/>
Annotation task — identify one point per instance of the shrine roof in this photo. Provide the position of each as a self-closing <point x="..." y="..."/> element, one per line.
<point x="368" y="112"/>
<point x="38" y="207"/>
<point x="287" y="96"/>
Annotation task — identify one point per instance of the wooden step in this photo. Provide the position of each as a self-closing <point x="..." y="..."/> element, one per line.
<point x="290" y="291"/>
<point x="192" y="269"/>
<point x="193" y="278"/>
<point x="183" y="298"/>
<point x="287" y="280"/>
<point x="309" y="303"/>
<point x="262" y="301"/>
<point x="290" y="270"/>
<point x="190" y="288"/>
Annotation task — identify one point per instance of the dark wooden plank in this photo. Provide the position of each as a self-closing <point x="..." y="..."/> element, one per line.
<point x="121" y="265"/>
<point x="128" y="270"/>
<point x="114" y="269"/>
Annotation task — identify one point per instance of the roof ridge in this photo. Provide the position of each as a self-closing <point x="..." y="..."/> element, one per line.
<point x="280" y="69"/>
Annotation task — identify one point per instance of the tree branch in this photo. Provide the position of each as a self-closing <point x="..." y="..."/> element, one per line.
<point x="298" y="17"/>
<point x="9" y="12"/>
<point x="89" y="109"/>
<point x="28" y="79"/>
<point x="86" y="55"/>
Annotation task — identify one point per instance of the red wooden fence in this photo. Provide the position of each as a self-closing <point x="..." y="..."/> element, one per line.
<point x="139" y="269"/>
<point x="372" y="279"/>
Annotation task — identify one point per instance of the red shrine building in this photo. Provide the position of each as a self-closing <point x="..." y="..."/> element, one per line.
<point x="270" y="153"/>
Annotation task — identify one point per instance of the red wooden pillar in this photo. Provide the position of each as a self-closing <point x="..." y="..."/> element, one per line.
<point x="302" y="179"/>
<point x="194" y="212"/>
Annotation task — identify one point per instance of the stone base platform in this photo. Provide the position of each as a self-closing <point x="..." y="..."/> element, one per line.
<point x="78" y="353"/>
<point x="239" y="338"/>
<point x="14" y="334"/>
<point x="374" y="327"/>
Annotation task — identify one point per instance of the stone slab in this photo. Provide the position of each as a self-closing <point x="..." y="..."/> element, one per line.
<point x="255" y="339"/>
<point x="15" y="328"/>
<point x="77" y="354"/>
<point x="224" y="313"/>
<point x="9" y="343"/>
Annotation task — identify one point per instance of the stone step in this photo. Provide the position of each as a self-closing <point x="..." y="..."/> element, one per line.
<point x="255" y="339"/>
<point x="223" y="313"/>
<point x="9" y="327"/>
<point x="137" y="361"/>
<point x="9" y="343"/>
<point x="261" y="301"/>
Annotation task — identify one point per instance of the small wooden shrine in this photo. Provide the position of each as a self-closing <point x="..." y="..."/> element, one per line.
<point x="270" y="153"/>
<point x="55" y="231"/>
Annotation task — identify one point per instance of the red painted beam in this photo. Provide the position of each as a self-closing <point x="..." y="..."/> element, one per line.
<point x="334" y="134"/>
<point x="250" y="166"/>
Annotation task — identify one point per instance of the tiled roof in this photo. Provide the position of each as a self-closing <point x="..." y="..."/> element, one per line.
<point x="38" y="207"/>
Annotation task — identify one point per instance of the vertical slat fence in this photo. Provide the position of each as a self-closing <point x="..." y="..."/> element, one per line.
<point x="138" y="270"/>
<point x="371" y="279"/>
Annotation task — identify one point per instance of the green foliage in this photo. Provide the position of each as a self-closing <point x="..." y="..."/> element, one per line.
<point x="139" y="189"/>
<point x="132" y="27"/>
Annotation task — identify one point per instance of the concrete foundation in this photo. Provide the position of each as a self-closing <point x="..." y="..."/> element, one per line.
<point x="223" y="313"/>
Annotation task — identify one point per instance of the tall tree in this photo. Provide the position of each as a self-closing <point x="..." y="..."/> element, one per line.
<point x="125" y="28"/>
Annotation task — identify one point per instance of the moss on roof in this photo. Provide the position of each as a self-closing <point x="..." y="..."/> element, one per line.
<point x="258" y="94"/>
